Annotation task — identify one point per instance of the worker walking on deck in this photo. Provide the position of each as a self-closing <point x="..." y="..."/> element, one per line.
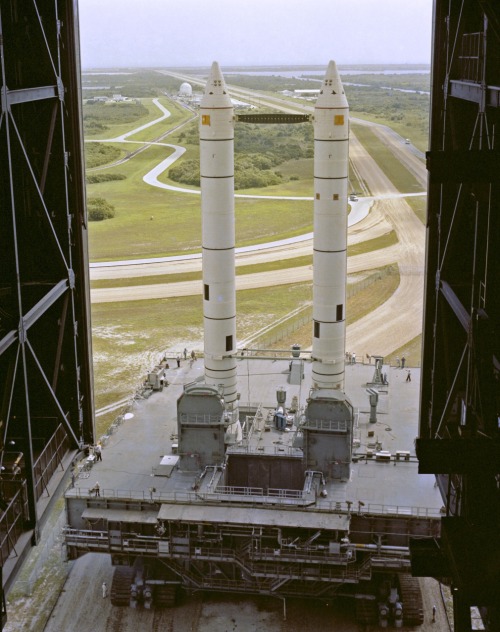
<point x="408" y="376"/>
<point x="433" y="614"/>
<point x="104" y="590"/>
<point x="98" y="452"/>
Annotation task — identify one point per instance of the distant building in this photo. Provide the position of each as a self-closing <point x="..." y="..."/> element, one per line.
<point x="186" y="91"/>
<point x="240" y="105"/>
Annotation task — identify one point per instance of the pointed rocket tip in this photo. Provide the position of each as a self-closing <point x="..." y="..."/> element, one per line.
<point x="215" y="69"/>
<point x="215" y="90"/>
<point x="331" y="72"/>
<point x="215" y="76"/>
<point x="332" y="91"/>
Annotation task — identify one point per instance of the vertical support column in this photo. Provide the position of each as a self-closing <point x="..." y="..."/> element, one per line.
<point x="218" y="238"/>
<point x="331" y="171"/>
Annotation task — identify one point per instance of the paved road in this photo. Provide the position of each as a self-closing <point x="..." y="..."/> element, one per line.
<point x="393" y="324"/>
<point x="399" y="319"/>
<point x="205" y="612"/>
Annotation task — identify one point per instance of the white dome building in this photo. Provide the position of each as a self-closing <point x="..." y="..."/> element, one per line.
<point x="186" y="90"/>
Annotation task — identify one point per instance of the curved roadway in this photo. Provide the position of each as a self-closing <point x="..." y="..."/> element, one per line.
<point x="387" y="328"/>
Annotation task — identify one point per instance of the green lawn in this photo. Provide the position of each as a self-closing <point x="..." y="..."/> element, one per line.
<point x="176" y="224"/>
<point x="359" y="304"/>
<point x="412" y="351"/>
<point x="115" y="128"/>
<point x="419" y="206"/>
<point x="397" y="173"/>
<point x="152" y="222"/>
<point x="384" y="241"/>
<point x="127" y="342"/>
<point x="175" y="227"/>
<point x="408" y="128"/>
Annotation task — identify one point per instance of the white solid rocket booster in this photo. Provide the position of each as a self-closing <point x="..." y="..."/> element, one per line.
<point x="331" y="171"/>
<point x="216" y="127"/>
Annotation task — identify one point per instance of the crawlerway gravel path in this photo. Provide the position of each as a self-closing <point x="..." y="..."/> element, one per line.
<point x="389" y="327"/>
<point x="208" y="613"/>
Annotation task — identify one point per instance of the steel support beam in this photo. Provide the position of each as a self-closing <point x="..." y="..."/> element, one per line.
<point x="460" y="385"/>
<point x="45" y="334"/>
<point x="467" y="165"/>
<point x="475" y="92"/>
<point x="28" y="95"/>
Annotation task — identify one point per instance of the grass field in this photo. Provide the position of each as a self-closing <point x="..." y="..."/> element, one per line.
<point x="361" y="303"/>
<point x="152" y="222"/>
<point x="412" y="351"/>
<point x="419" y="206"/>
<point x="128" y="341"/>
<point x="397" y="173"/>
<point x="406" y="129"/>
<point x="176" y="216"/>
<point x="138" y="338"/>
<point x="380" y="100"/>
<point x="384" y="241"/>
<point x="116" y="128"/>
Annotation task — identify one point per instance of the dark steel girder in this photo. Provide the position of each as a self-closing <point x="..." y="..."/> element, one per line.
<point x="45" y="336"/>
<point x="463" y="165"/>
<point x="475" y="92"/>
<point x="36" y="312"/>
<point x="460" y="379"/>
<point x="28" y="95"/>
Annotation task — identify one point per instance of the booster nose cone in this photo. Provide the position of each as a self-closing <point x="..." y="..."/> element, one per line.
<point x="332" y="93"/>
<point x="215" y="95"/>
<point x="331" y="173"/>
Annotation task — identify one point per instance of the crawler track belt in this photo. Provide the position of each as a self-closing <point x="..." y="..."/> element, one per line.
<point x="411" y="596"/>
<point x="120" y="586"/>
<point x="165" y="596"/>
<point x="366" y="611"/>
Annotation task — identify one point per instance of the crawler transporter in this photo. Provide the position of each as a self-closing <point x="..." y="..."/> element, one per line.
<point x="288" y="473"/>
<point x="306" y="498"/>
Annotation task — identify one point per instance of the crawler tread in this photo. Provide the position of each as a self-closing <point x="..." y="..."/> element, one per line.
<point x="120" y="586"/>
<point x="411" y="597"/>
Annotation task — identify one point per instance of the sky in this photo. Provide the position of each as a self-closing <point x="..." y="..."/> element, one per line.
<point x="152" y="33"/>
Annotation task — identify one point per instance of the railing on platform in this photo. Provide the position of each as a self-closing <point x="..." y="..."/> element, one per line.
<point x="274" y="450"/>
<point x="14" y="513"/>
<point x="49" y="460"/>
<point x="201" y="420"/>
<point x="109" y="496"/>
<point x="326" y="424"/>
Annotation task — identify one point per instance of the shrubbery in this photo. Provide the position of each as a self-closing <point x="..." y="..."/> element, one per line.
<point x="140" y="83"/>
<point x="249" y="172"/>
<point x="95" y="178"/>
<point x="94" y="113"/>
<point x="98" y="209"/>
<point x="254" y="171"/>
<point x="187" y="172"/>
<point x="97" y="154"/>
<point x="258" y="151"/>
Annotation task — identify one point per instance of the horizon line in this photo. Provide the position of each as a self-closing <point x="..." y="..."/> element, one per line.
<point x="271" y="66"/>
